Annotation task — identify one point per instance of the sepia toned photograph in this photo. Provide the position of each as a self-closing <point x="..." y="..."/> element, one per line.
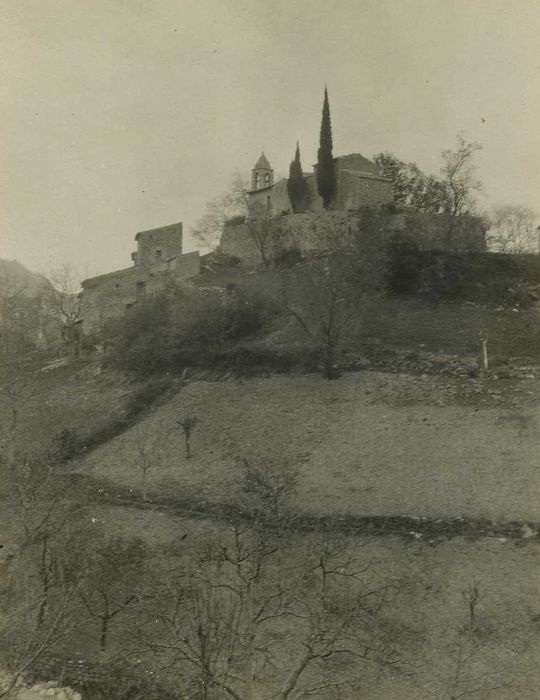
<point x="270" y="350"/>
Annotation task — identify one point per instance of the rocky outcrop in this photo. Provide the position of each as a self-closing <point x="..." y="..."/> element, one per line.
<point x="49" y="690"/>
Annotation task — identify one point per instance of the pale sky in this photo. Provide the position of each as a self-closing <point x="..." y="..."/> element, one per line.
<point x="123" y="115"/>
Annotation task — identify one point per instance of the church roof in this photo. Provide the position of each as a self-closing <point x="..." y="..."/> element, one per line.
<point x="357" y="163"/>
<point x="262" y="163"/>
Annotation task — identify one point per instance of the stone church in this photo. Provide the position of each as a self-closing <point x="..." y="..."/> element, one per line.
<point x="359" y="184"/>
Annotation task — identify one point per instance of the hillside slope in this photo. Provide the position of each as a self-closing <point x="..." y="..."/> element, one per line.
<point x="14" y="277"/>
<point x="368" y="444"/>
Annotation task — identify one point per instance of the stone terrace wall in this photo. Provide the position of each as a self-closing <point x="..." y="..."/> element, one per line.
<point x="330" y="230"/>
<point x="310" y="232"/>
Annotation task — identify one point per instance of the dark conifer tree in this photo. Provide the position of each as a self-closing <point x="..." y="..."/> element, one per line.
<point x="326" y="173"/>
<point x="297" y="186"/>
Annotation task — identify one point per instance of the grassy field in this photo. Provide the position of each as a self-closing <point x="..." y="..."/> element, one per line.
<point x="78" y="398"/>
<point x="367" y="444"/>
<point x="448" y="327"/>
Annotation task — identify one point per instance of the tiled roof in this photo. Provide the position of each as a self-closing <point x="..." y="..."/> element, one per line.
<point x="262" y="163"/>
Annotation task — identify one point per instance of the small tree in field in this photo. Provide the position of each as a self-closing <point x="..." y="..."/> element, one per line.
<point x="472" y="673"/>
<point x="269" y="487"/>
<point x="151" y="444"/>
<point x="188" y="425"/>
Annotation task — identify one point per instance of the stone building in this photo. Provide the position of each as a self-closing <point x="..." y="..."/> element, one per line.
<point x="158" y="263"/>
<point x="359" y="184"/>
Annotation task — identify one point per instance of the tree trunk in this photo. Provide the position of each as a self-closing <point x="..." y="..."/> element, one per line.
<point x="485" y="360"/>
<point x="45" y="584"/>
<point x="295" y="676"/>
<point x="330" y="370"/>
<point x="144" y="487"/>
<point x="104" y="632"/>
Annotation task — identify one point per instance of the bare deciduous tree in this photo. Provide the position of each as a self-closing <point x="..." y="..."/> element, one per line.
<point x="340" y="611"/>
<point x="513" y="229"/>
<point x="325" y="295"/>
<point x="459" y="179"/>
<point x="259" y="228"/>
<point x="26" y="643"/>
<point x="64" y="301"/>
<point x="219" y="622"/>
<point x="19" y="362"/>
<point x="232" y="203"/>
<point x="188" y="425"/>
<point x="194" y="627"/>
<point x="114" y="569"/>
<point x="42" y="510"/>
<point x="22" y="641"/>
<point x="268" y="487"/>
<point x="471" y="673"/>
<point x="151" y="444"/>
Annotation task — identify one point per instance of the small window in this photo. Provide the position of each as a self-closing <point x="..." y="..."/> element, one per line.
<point x="140" y="290"/>
<point x="158" y="254"/>
<point x="267" y="179"/>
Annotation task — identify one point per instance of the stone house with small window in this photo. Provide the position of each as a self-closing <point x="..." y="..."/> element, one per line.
<point x="158" y="263"/>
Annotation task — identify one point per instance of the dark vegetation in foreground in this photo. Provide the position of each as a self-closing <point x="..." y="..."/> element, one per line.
<point x="271" y="603"/>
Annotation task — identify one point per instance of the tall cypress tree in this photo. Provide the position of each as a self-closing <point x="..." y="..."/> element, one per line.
<point x="296" y="185"/>
<point x="326" y="172"/>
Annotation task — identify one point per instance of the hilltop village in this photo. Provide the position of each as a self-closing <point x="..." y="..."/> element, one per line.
<point x="273" y="223"/>
<point x="159" y="261"/>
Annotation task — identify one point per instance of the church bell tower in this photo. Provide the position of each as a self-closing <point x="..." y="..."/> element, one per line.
<point x="262" y="174"/>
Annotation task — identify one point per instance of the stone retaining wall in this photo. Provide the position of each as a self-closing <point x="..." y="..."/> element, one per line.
<point x="330" y="230"/>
